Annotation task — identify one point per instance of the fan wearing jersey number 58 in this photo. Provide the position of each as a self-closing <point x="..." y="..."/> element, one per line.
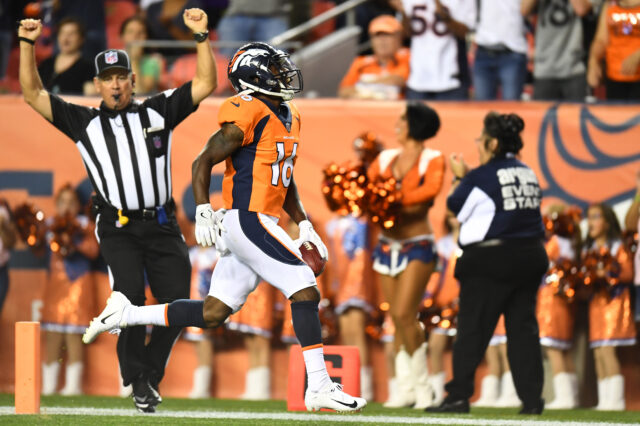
<point x="259" y="140"/>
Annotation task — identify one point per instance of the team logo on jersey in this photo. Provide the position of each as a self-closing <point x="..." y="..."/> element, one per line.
<point x="111" y="57"/>
<point x="581" y="164"/>
<point x="157" y="142"/>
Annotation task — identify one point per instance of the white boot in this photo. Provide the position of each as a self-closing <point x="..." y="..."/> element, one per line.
<point x="603" y="394"/>
<point x="366" y="383"/>
<point x="405" y="395"/>
<point x="248" y="382"/>
<point x="420" y="373"/>
<point x="508" y="395"/>
<point x="73" y="380"/>
<point x="201" y="382"/>
<point x="562" y="393"/>
<point x="573" y="378"/>
<point x="616" y="393"/>
<point x="489" y="391"/>
<point x="125" y="391"/>
<point x="258" y="384"/>
<point x="392" y="390"/>
<point x="436" y="382"/>
<point x="50" y="377"/>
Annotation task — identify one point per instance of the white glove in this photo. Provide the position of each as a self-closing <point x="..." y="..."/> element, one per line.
<point x="208" y="224"/>
<point x="307" y="233"/>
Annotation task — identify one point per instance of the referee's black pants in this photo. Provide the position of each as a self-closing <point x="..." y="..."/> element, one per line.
<point x="160" y="251"/>
<point x="495" y="280"/>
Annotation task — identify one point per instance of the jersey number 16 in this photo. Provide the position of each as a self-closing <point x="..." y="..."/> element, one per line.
<point x="285" y="170"/>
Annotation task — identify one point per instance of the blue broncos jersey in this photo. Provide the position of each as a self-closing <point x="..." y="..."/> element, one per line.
<point x="500" y="199"/>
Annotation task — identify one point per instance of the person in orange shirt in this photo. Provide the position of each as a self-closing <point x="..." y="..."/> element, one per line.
<point x="610" y="312"/>
<point x="382" y="75"/>
<point x="69" y="293"/>
<point x="617" y="40"/>
<point x="258" y="139"/>
<point x="405" y="254"/>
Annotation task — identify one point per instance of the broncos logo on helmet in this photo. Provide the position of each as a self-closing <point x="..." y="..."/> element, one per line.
<point x="259" y="67"/>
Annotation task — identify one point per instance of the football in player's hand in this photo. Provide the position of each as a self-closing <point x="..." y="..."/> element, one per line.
<point x="311" y="257"/>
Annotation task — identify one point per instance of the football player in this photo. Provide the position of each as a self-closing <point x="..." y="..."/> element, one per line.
<point x="258" y="139"/>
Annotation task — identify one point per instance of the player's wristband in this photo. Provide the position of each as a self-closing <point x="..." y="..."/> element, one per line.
<point x="28" y="40"/>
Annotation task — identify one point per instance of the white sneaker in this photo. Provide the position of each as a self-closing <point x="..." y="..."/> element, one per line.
<point x="333" y="398"/>
<point x="110" y="319"/>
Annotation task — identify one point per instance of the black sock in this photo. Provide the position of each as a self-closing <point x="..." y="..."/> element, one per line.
<point x="306" y="323"/>
<point x="186" y="313"/>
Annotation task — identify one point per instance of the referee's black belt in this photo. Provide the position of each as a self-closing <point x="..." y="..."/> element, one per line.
<point x="145" y="214"/>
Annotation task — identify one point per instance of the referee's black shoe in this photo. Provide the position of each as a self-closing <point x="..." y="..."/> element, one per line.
<point x="145" y="397"/>
<point x="450" y="406"/>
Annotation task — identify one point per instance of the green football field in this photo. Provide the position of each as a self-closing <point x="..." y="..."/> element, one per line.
<point x="93" y="410"/>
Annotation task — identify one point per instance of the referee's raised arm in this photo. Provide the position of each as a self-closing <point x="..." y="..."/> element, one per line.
<point x="205" y="80"/>
<point x="32" y="89"/>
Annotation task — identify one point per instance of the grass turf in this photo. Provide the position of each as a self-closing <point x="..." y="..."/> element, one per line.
<point x="174" y="404"/>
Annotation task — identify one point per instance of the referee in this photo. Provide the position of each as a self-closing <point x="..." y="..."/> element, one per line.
<point x="126" y="148"/>
<point x="503" y="261"/>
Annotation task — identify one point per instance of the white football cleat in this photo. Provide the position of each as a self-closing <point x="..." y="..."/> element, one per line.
<point x="333" y="398"/>
<point x="110" y="319"/>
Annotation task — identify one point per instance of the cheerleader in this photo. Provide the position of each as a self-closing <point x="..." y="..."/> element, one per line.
<point x="404" y="257"/>
<point x="610" y="313"/>
<point x="69" y="292"/>
<point x="351" y="276"/>
<point x="555" y="313"/>
<point x="255" y="321"/>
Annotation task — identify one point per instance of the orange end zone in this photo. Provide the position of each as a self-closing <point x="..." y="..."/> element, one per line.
<point x="27" y="367"/>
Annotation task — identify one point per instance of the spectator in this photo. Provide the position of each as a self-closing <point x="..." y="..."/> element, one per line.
<point x="559" y="69"/>
<point x="68" y="71"/>
<point x="501" y="58"/>
<point x="8" y="236"/>
<point x="147" y="68"/>
<point x="618" y="41"/>
<point x="247" y="20"/>
<point x="382" y="75"/>
<point x="92" y="15"/>
<point x="439" y="69"/>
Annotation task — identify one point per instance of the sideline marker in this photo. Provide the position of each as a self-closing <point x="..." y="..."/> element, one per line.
<point x="27" y="386"/>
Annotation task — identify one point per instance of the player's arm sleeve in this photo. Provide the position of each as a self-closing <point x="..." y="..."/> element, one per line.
<point x="238" y="115"/>
<point x="174" y="104"/>
<point x="69" y="118"/>
<point x="352" y="76"/>
<point x="466" y="13"/>
<point x="431" y="186"/>
<point x="458" y="198"/>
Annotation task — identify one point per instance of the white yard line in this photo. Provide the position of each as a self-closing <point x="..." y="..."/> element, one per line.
<point x="303" y="417"/>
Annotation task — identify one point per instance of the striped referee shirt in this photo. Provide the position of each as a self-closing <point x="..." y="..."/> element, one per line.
<point x="127" y="153"/>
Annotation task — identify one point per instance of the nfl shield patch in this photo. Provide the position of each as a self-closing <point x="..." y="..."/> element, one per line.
<point x="111" y="57"/>
<point x="157" y="142"/>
